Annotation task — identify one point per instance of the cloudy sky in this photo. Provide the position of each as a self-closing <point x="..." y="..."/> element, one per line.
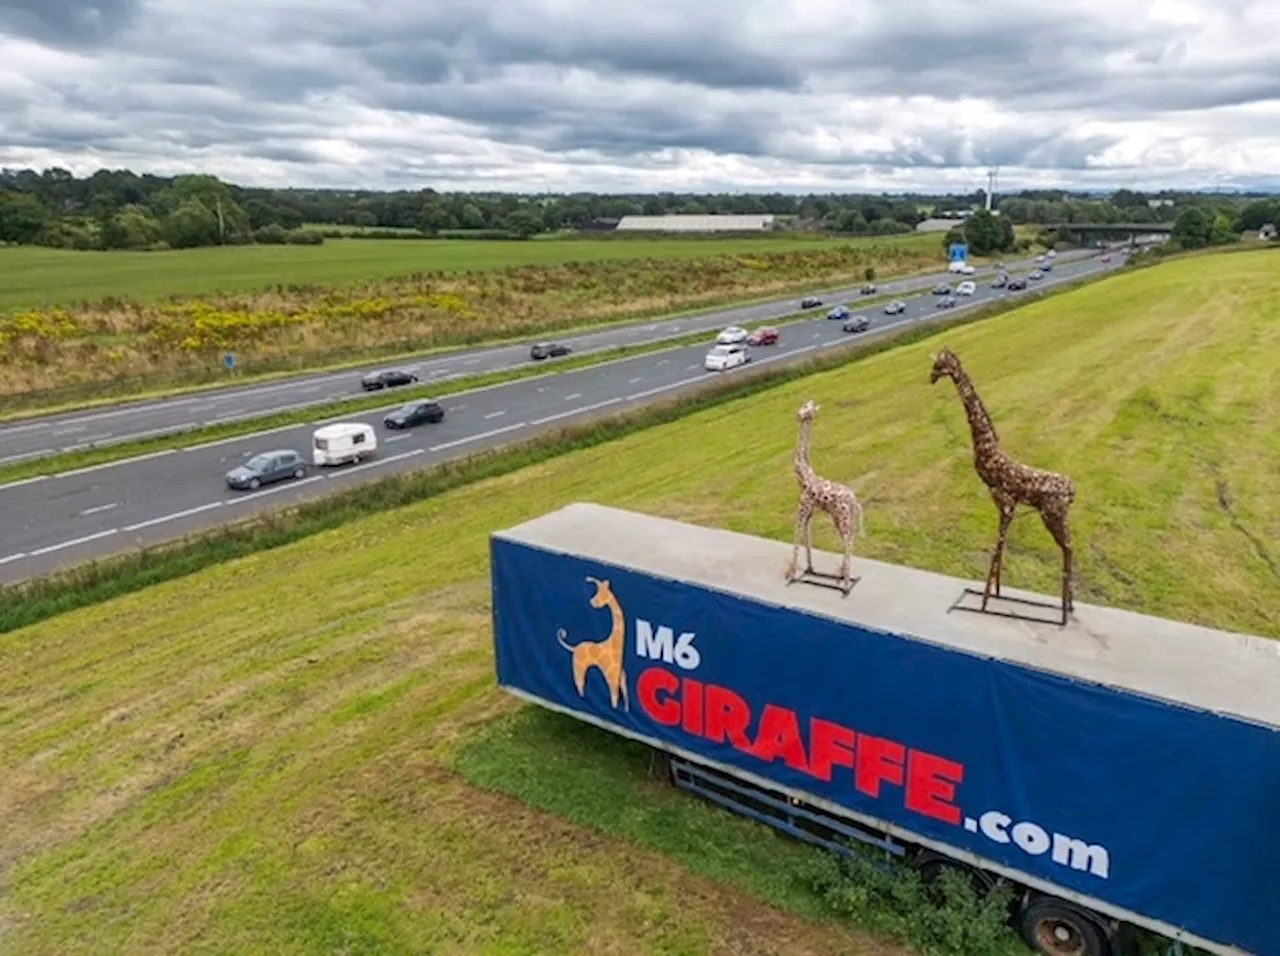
<point x="648" y="95"/>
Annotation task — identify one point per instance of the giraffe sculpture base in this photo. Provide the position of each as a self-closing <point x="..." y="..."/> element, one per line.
<point x="1003" y="605"/>
<point x="823" y="580"/>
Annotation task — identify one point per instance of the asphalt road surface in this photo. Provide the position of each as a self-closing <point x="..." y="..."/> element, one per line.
<point x="73" y="431"/>
<point x="93" y="512"/>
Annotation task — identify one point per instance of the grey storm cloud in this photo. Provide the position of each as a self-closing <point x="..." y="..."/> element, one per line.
<point x="887" y="84"/>
<point x="67" y="22"/>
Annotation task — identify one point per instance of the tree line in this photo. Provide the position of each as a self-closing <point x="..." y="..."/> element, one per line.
<point x="120" y="209"/>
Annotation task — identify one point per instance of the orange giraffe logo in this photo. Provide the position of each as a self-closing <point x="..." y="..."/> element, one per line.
<point x="606" y="654"/>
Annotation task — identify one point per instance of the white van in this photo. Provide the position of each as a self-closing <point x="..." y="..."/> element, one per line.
<point x="342" y="442"/>
<point x="960" y="266"/>
<point x="966" y="288"/>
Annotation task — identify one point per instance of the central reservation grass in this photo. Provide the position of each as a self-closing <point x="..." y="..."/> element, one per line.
<point x="266" y="756"/>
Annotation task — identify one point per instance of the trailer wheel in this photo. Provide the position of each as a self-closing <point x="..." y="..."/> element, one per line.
<point x="931" y="867"/>
<point x="1055" y="928"/>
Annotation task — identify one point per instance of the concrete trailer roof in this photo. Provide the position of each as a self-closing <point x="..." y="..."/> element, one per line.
<point x="1228" y="673"/>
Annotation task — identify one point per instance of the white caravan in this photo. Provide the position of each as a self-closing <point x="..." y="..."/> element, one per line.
<point x="342" y="442"/>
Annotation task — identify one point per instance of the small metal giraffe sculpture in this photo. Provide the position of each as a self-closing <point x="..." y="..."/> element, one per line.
<point x="1011" y="482"/>
<point x="817" y="492"/>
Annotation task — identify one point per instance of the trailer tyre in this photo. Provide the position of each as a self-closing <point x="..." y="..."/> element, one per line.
<point x="1057" y="929"/>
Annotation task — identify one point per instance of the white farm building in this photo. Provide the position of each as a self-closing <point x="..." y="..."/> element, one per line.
<point x="763" y="223"/>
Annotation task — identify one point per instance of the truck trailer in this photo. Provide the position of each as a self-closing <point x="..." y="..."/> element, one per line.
<point x="1120" y="770"/>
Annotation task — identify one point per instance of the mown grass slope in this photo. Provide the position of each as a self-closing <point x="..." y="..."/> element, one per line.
<point x="261" y="757"/>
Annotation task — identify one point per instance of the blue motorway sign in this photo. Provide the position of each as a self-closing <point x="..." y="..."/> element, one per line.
<point x="957" y="251"/>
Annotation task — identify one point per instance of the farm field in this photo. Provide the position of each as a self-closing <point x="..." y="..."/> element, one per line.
<point x="274" y="754"/>
<point x="137" y="343"/>
<point x="32" y="276"/>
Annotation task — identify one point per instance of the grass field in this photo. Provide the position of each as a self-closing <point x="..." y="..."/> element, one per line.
<point x="49" y="353"/>
<point x="266" y="756"/>
<point x="32" y="276"/>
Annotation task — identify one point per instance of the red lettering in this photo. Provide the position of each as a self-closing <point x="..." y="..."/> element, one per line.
<point x="655" y="687"/>
<point x="727" y="717"/>
<point x="878" y="760"/>
<point x="779" y="736"/>
<point x="830" y="745"/>
<point x="931" y="786"/>
<point x="691" y="697"/>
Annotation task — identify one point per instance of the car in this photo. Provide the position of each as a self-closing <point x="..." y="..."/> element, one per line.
<point x="1106" y="258"/>
<point x="942" y="288"/>
<point x="859" y="323"/>
<point x="414" y="413"/>
<point x="1000" y="281"/>
<point x="1016" y="285"/>
<point x="810" y="302"/>
<point x="1047" y="267"/>
<point x="1052" y="253"/>
<point x="543" y="350"/>
<point x="267" y="468"/>
<point x="966" y="288"/>
<point x="869" y="289"/>
<point x="764" y="336"/>
<point x="896" y="307"/>
<point x="947" y="302"/>
<point x="387" y="378"/>
<point x="724" y="357"/>
<point x="731" y="336"/>
<point x="1036" y="274"/>
<point x="840" y="312"/>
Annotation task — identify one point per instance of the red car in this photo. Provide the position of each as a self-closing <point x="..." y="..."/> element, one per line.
<point x="763" y="337"/>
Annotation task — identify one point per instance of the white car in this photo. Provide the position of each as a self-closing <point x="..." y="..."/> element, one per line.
<point x="732" y="336"/>
<point x="724" y="357"/>
<point x="966" y="288"/>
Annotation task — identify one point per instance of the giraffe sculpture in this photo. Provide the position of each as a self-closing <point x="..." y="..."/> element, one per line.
<point x="606" y="654"/>
<point x="1011" y="482"/>
<point x="817" y="492"/>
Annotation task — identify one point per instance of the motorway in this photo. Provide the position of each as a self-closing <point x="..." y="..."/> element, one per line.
<point x="73" y="431"/>
<point x="67" y="518"/>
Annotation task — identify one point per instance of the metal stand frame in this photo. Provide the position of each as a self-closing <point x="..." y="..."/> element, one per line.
<point x="821" y="579"/>
<point x="1062" y="615"/>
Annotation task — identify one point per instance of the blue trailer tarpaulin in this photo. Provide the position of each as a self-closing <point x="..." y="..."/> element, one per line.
<point x="1164" y="810"/>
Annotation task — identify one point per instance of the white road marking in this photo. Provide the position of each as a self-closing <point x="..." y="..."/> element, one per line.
<point x="690" y="368"/>
<point x="479" y="437"/>
<point x="28" y="454"/>
<point x="68" y="431"/>
<point x="495" y="414"/>
<point x="664" y="361"/>
<point x="370" y="464"/>
<point x="460" y="407"/>
<point x="283" y="486"/>
<point x="13" y="557"/>
<point x="569" y="398"/>
<point x="664" y="388"/>
<point x="25" y="481"/>
<point x="100" y="508"/>
<point x="74" y="541"/>
<point x="634" y="380"/>
<point x="108" y="464"/>
<point x="173" y="517"/>
<point x="575" y="411"/>
<point x="391" y="438"/>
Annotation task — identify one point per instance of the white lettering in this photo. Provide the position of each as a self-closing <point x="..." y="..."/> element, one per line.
<point x="662" y="644"/>
<point x="993" y="824"/>
<point x="1080" y="855"/>
<point x="1030" y="838"/>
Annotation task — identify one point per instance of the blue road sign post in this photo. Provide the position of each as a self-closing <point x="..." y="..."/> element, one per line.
<point x="229" y="361"/>
<point x="957" y="251"/>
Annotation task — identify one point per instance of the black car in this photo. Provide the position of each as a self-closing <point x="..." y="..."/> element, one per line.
<point x="869" y="289"/>
<point x="267" y="467"/>
<point x="859" y="323"/>
<point x="1016" y="285"/>
<point x="548" y="350"/>
<point x="1000" y="281"/>
<point x="947" y="302"/>
<point x="942" y="289"/>
<point x="387" y="378"/>
<point x="897" y="307"/>
<point x="414" y="413"/>
<point x="810" y="302"/>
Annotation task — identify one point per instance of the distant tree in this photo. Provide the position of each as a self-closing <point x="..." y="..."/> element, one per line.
<point x="191" y="224"/>
<point x="21" y="217"/>
<point x="1192" y="229"/>
<point x="987" y="234"/>
<point x="133" y="227"/>
<point x="1257" y="214"/>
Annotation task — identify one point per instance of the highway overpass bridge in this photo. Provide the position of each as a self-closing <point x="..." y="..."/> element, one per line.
<point x="1132" y="231"/>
